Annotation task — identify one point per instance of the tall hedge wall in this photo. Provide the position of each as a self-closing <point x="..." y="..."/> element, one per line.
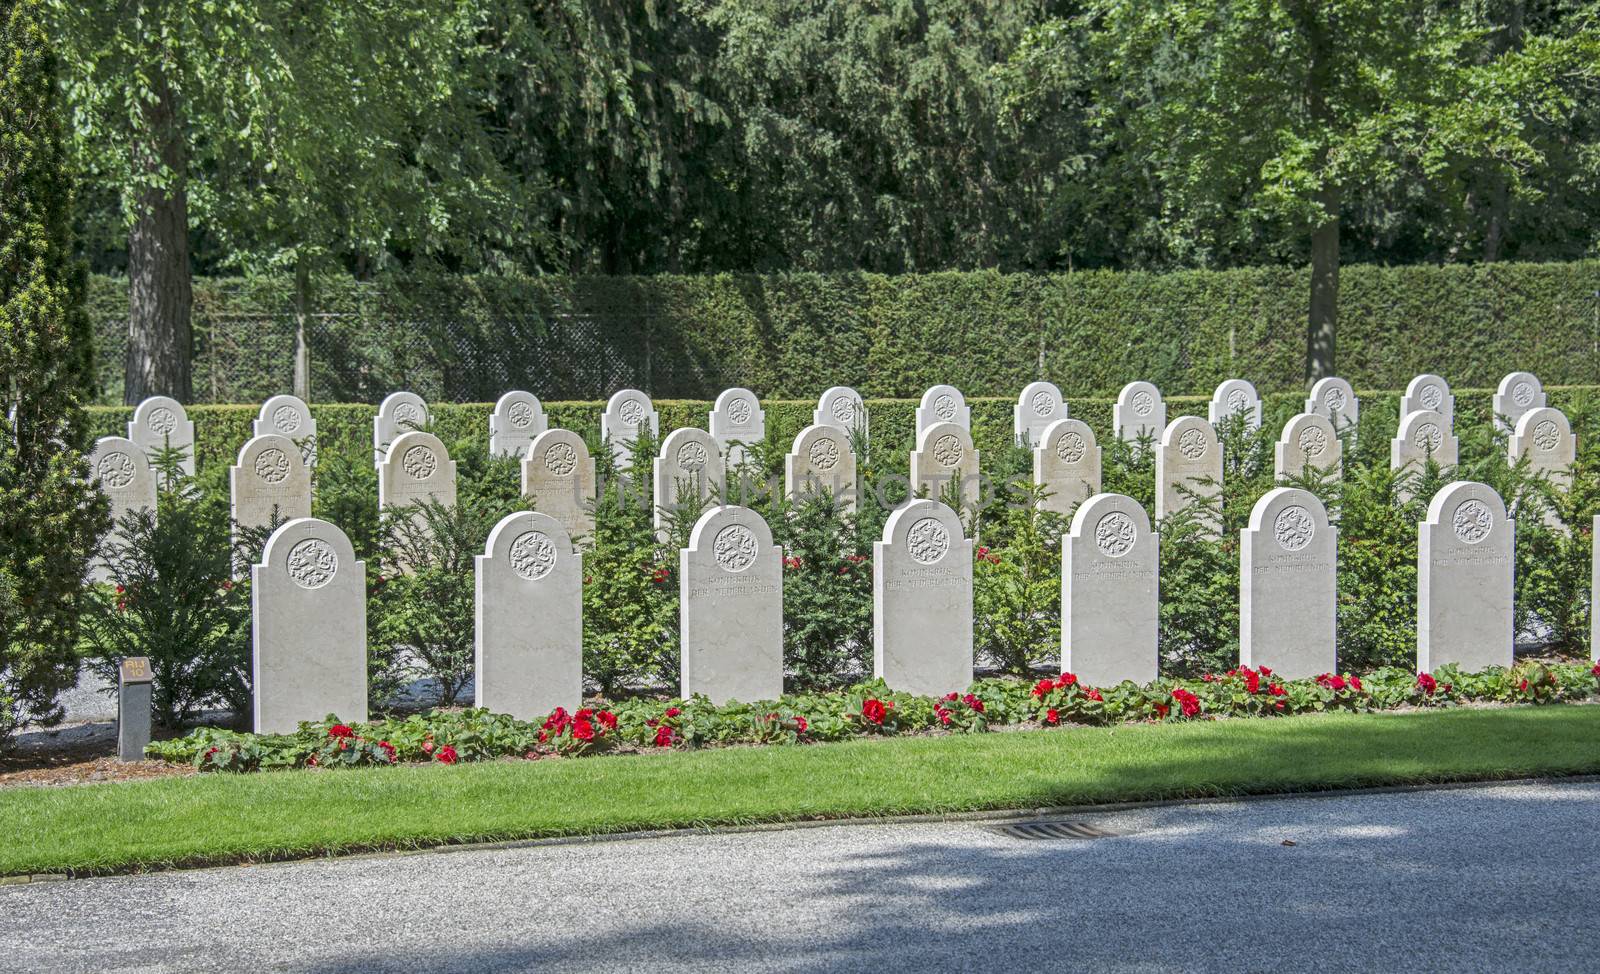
<point x="790" y="336"/>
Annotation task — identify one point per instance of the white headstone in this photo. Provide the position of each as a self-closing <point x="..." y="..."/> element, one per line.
<point x="1464" y="586"/>
<point x="1518" y="393"/>
<point x="517" y="418"/>
<point x="627" y="412"/>
<point x="528" y="648"/>
<point x="943" y="404"/>
<point x="1309" y="440"/>
<point x="1188" y="456"/>
<point x="120" y="470"/>
<point x="1232" y="397"/>
<point x="922" y="601"/>
<point x="1067" y="464"/>
<point x="400" y="412"/>
<point x="1332" y="397"/>
<point x="289" y="416"/>
<point x="1544" y="437"/>
<point x="1109" y="588"/>
<point x="689" y="462"/>
<point x="1140" y="411"/>
<point x="558" y="476"/>
<point x="731" y="608"/>
<point x="842" y="408"/>
<point x="417" y="468"/>
<point x="161" y="422"/>
<point x="737" y="422"/>
<point x="1422" y="435"/>
<point x="308" y="628"/>
<point x="1288" y="575"/>
<point x="271" y="482"/>
<point x="1430" y="393"/>
<point x="821" y="460"/>
<point x="1039" y="405"/>
<point x="944" y="456"/>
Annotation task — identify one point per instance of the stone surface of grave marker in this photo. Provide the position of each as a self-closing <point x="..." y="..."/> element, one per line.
<point x="161" y="422"/>
<point x="1067" y="464"/>
<point x="689" y="462"/>
<point x="943" y="404"/>
<point x="842" y="408"/>
<point x="1232" y="397"/>
<point x="1429" y="392"/>
<point x="134" y="680"/>
<point x="528" y="604"/>
<point x="271" y="478"/>
<point x="1140" y="411"/>
<point x="400" y="412"/>
<point x="627" y="413"/>
<point x="308" y="629"/>
<point x="737" y="422"/>
<point x="289" y="416"/>
<point x="1288" y="574"/>
<point x="1308" y="440"/>
<point x="558" y="476"/>
<point x="1545" y="438"/>
<point x="1039" y="405"/>
<point x="517" y="418"/>
<point x="1109" y="593"/>
<point x="1518" y="392"/>
<point x="821" y="460"/>
<point x="1188" y="455"/>
<point x="417" y="468"/>
<point x="1464" y="572"/>
<point x="731" y="608"/>
<point x="922" y="601"/>
<point x="944" y="456"/>
<point x="1423" y="434"/>
<point x="120" y="470"/>
<point x="1332" y="397"/>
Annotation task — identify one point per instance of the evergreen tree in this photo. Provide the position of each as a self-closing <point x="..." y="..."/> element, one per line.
<point x="49" y="516"/>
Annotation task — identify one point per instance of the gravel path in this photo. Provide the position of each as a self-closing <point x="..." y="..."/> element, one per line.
<point x="1475" y="879"/>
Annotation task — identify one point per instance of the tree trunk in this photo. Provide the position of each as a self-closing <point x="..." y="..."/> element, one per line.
<point x="302" y="351"/>
<point x="1322" y="326"/>
<point x="1507" y="38"/>
<point x="160" y="336"/>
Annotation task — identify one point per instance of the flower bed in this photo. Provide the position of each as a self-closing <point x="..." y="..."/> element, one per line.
<point x="449" y="736"/>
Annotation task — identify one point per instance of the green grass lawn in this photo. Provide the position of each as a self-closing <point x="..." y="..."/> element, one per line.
<point x="220" y="819"/>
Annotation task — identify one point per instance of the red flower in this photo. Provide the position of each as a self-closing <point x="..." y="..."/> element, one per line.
<point x="1043" y="687"/>
<point x="311" y="762"/>
<point x="1276" y="689"/>
<point x="1355" y="682"/>
<point x="673" y="711"/>
<point x="873" y="711"/>
<point x="427" y="747"/>
<point x="1207" y="678"/>
<point x="1332" y="681"/>
<point x="1051" y="717"/>
<point x="388" y="749"/>
<point x="582" y="730"/>
<point x="972" y="701"/>
<point x="1279" y="705"/>
<point x="800" y="724"/>
<point x="1426" y="683"/>
<point x="1067" y="680"/>
<point x="1188" y="702"/>
<point x="557" y="720"/>
<point x="446" y="755"/>
<point x="1595" y="671"/>
<point x="1523" y="686"/>
<point x="1093" y="694"/>
<point x="943" y="715"/>
<point x="1252" y="679"/>
<point x="663" y="736"/>
<point x="340" y="730"/>
<point x="952" y="696"/>
<point x="1266" y="671"/>
<point x="607" y="719"/>
<point x="1161" y="709"/>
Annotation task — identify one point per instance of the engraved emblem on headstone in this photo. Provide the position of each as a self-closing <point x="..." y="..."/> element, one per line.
<point x="419" y="463"/>
<point x="1143" y="403"/>
<point x="286" y="419"/>
<point x="1313" y="441"/>
<point x="1294" y="528"/>
<point x="272" y="465"/>
<point x="1546" y="436"/>
<point x="947" y="450"/>
<point x="520" y="414"/>
<point x="632" y="412"/>
<point x="928" y="540"/>
<point x="1043" y="403"/>
<point x="533" y="555"/>
<point x="561" y="459"/>
<point x="407" y="414"/>
<point x="312" y="563"/>
<point x="1431" y="396"/>
<point x="692" y="456"/>
<point x="735" y="547"/>
<point x="1429" y="435"/>
<point x="163" y="420"/>
<point x="1192" y="444"/>
<point x="1238" y="401"/>
<point x="1522" y="394"/>
<point x="1334" y="398"/>
<point x="739" y="411"/>
<point x="1071" y="447"/>
<point x="824" y="454"/>
<point x="1115" y="534"/>
<point x="945" y="407"/>
<point x="844" y="409"/>
<point x="115" y="470"/>
<point x="1472" y="521"/>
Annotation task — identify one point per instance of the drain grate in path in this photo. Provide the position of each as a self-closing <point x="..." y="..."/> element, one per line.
<point x="1050" y="830"/>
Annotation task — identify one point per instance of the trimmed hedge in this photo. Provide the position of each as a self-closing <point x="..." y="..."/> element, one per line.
<point x="471" y="338"/>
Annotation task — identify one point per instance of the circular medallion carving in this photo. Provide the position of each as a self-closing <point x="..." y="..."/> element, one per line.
<point x="945" y="407"/>
<point x="1115" y="534"/>
<point x="419" y="463"/>
<point x="1313" y="441"/>
<point x="1294" y="527"/>
<point x="1143" y="403"/>
<point x="1333" y="398"/>
<point x="407" y="414"/>
<point x="1238" y="401"/>
<point x="1430" y="396"/>
<point x="286" y="419"/>
<point x="735" y="548"/>
<point x="947" y="449"/>
<point x="1192" y="444"/>
<point x="928" y="540"/>
<point x="533" y="555"/>
<point x="692" y="456"/>
<point x="1472" y="521"/>
<point x="272" y="465"/>
<point x="1071" y="446"/>
<point x="739" y="411"/>
<point x="1522" y="393"/>
<point x="163" y="420"/>
<point x="1430" y="436"/>
<point x="1043" y="404"/>
<point x="312" y="563"/>
<point x="843" y="409"/>
<point x="824" y="454"/>
<point x="1546" y="435"/>
<point x="561" y="459"/>
<point x="631" y="411"/>
<point x="520" y="414"/>
<point x="115" y="470"/>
